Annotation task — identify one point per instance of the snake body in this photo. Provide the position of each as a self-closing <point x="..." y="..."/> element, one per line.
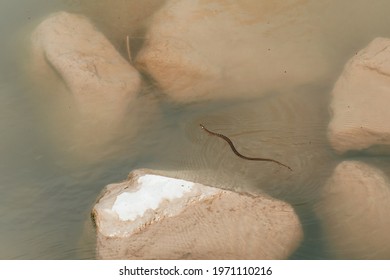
<point x="227" y="139"/>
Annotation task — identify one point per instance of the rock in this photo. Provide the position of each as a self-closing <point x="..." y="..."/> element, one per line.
<point x="354" y="212"/>
<point x="151" y="216"/>
<point x="101" y="81"/>
<point x="87" y="89"/>
<point x="360" y="115"/>
<point x="200" y="50"/>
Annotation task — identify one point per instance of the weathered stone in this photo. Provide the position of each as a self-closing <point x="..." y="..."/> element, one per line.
<point x="360" y="98"/>
<point x="193" y="221"/>
<point x="88" y="91"/>
<point x="354" y="212"/>
<point x="198" y="50"/>
<point x="101" y="81"/>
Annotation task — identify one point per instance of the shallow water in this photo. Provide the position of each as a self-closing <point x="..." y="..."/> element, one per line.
<point x="47" y="195"/>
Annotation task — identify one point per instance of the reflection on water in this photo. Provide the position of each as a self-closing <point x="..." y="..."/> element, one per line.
<point x="47" y="196"/>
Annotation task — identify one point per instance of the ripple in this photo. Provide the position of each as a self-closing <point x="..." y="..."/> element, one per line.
<point x="290" y="128"/>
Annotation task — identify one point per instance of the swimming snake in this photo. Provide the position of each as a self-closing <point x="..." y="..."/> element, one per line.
<point x="227" y="139"/>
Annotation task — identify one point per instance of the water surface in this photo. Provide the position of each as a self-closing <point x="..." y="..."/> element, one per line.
<point x="47" y="195"/>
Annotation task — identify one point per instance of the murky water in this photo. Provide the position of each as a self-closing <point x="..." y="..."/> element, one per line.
<point x="47" y="194"/>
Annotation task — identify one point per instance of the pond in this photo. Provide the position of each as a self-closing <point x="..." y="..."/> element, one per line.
<point x="48" y="189"/>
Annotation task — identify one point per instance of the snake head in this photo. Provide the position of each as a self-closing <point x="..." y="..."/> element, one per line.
<point x="202" y="126"/>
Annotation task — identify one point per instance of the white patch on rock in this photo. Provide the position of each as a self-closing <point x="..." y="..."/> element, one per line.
<point x="177" y="219"/>
<point x="145" y="199"/>
<point x="152" y="190"/>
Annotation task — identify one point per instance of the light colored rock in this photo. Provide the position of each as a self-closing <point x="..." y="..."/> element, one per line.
<point x="100" y="80"/>
<point x="360" y="98"/>
<point x="227" y="49"/>
<point x="155" y="217"/>
<point x="87" y="89"/>
<point x="354" y="212"/>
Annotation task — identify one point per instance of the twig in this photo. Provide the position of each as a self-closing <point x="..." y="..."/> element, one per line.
<point x="128" y="48"/>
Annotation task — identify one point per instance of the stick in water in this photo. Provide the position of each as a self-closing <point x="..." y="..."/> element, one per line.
<point x="128" y="48"/>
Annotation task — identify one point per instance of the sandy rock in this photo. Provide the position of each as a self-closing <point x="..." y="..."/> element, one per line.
<point x="360" y="98"/>
<point x="155" y="217"/>
<point x="100" y="80"/>
<point x="87" y="92"/>
<point x="198" y="50"/>
<point x="354" y="212"/>
<point x="120" y="18"/>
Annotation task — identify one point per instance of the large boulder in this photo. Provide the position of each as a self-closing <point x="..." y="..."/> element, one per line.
<point x="354" y="212"/>
<point x="151" y="216"/>
<point x="87" y="89"/>
<point x="197" y="50"/>
<point x="101" y="81"/>
<point x="360" y="98"/>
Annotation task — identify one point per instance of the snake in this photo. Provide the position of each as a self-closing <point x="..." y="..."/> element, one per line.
<point x="230" y="142"/>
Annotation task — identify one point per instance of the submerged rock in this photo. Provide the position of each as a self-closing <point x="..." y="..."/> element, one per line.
<point x="197" y="50"/>
<point x="151" y="216"/>
<point x="101" y="81"/>
<point x="360" y="98"/>
<point x="89" y="88"/>
<point x="354" y="212"/>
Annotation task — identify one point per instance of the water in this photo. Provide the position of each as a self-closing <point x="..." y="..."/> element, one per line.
<point x="48" y="192"/>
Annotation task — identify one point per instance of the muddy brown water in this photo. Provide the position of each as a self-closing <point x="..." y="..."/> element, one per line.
<point x="46" y="196"/>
